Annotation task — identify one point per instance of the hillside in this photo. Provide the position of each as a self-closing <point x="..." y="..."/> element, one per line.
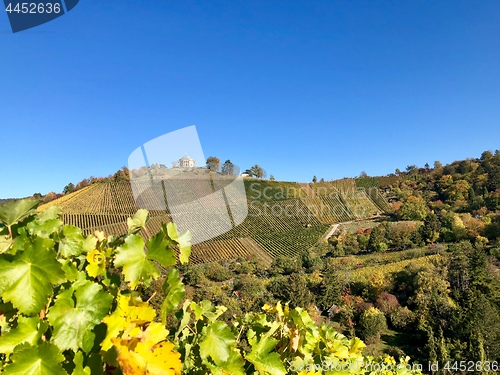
<point x="283" y="218"/>
<point x="423" y="280"/>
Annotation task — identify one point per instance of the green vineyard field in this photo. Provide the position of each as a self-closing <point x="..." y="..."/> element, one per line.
<point x="283" y="217"/>
<point x="363" y="274"/>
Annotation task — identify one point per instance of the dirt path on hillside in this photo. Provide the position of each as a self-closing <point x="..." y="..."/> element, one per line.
<point x="332" y="231"/>
<point x="336" y="226"/>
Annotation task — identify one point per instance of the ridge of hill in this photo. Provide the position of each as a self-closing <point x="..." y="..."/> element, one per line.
<point x="283" y="218"/>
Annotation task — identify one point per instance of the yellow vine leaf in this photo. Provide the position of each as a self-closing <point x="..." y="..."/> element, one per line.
<point x="145" y="352"/>
<point x="140" y="342"/>
<point x="130" y="313"/>
<point x="356" y="346"/>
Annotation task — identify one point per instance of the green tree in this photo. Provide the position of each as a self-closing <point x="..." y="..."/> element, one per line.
<point x="228" y="168"/>
<point x="257" y="171"/>
<point x="283" y="265"/>
<point x="377" y="241"/>
<point x="430" y="229"/>
<point x="486" y="155"/>
<point x="459" y="268"/>
<point x="401" y="317"/>
<point x="68" y="188"/>
<point x="292" y="289"/>
<point x="372" y="323"/>
<point x="414" y="208"/>
<point x="411" y="168"/>
<point x="329" y="291"/>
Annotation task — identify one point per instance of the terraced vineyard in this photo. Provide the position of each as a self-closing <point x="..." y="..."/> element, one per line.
<point x="343" y="200"/>
<point x="283" y="217"/>
<point x="371" y="186"/>
<point x="360" y="204"/>
<point x="213" y="250"/>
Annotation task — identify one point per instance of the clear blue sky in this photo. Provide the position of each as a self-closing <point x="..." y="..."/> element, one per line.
<point x="302" y="88"/>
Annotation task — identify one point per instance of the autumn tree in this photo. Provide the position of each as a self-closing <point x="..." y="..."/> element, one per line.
<point x="213" y="163"/>
<point x="122" y="175"/>
<point x="49" y="197"/>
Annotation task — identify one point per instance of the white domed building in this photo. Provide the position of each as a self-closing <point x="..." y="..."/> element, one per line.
<point x="186" y="162"/>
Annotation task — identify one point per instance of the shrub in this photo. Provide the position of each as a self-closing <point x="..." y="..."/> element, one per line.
<point x="387" y="302"/>
<point x="284" y="266"/>
<point x="371" y="324"/>
<point x="216" y="272"/>
<point x="401" y="317"/>
<point x="495" y="252"/>
<point x="193" y="274"/>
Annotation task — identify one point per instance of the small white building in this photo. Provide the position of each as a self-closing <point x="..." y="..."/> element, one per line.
<point x="186" y="162"/>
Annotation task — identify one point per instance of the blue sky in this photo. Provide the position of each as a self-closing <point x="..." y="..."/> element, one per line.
<point x="302" y="88"/>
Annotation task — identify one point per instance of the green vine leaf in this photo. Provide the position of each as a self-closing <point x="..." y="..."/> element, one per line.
<point x="28" y="330"/>
<point x="89" y="243"/>
<point x="217" y="343"/>
<point x="206" y="310"/>
<point x="173" y="290"/>
<point x="234" y="365"/>
<point x="263" y="360"/>
<point x="27" y="280"/>
<point x="12" y="212"/>
<point x="43" y="359"/>
<point x="73" y="322"/>
<point x="46" y="223"/>
<point x="182" y="239"/>
<point x="137" y="222"/>
<point x="71" y="243"/>
<point x="79" y="368"/>
<point x="136" y="266"/>
<point x="159" y="249"/>
<point x="5" y="243"/>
